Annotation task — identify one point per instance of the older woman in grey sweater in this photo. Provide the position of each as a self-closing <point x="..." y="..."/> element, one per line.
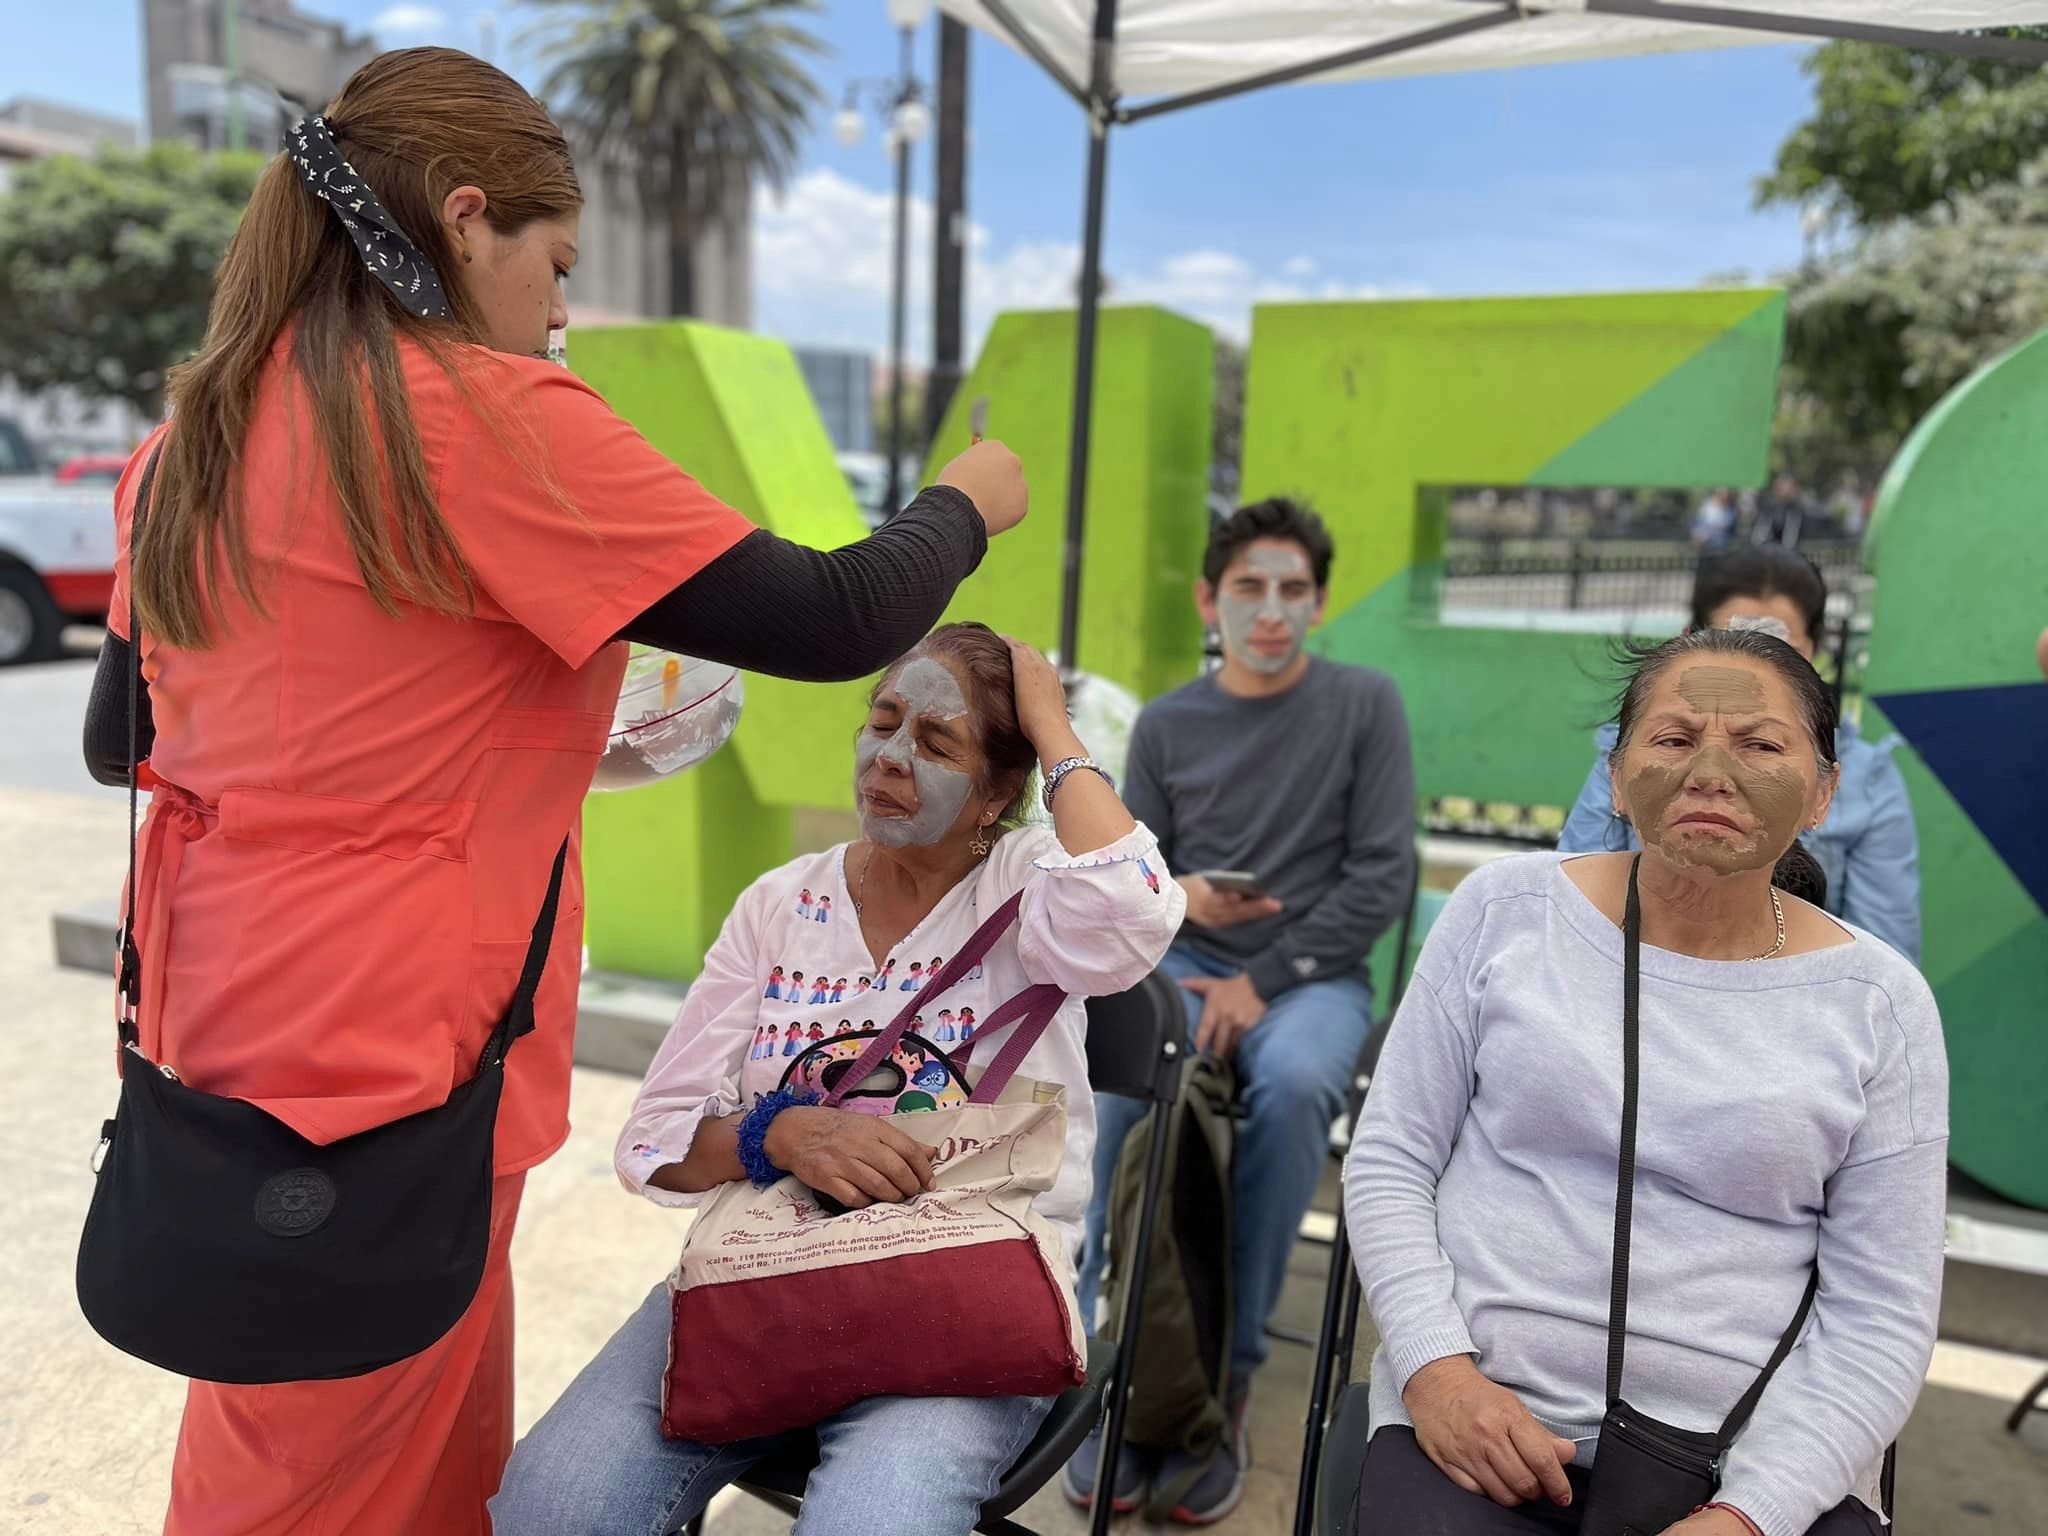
<point x="1792" y="1126"/>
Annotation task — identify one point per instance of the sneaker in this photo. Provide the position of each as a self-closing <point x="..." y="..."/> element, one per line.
<point x="1215" y="1483"/>
<point x="1127" y="1492"/>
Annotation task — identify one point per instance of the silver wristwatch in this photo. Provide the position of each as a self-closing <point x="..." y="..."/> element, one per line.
<point x="1065" y="766"/>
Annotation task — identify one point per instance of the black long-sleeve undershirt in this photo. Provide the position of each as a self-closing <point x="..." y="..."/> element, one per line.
<point x="768" y="605"/>
<point x="765" y="605"/>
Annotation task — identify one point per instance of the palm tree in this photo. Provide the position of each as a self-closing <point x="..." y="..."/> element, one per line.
<point x="700" y="97"/>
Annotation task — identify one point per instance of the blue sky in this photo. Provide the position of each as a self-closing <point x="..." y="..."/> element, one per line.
<point x="1626" y="174"/>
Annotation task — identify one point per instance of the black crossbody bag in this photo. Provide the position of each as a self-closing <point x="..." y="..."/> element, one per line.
<point x="223" y="1245"/>
<point x="1648" y="1475"/>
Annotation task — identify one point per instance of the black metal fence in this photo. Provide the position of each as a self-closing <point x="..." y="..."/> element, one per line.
<point x="1619" y="576"/>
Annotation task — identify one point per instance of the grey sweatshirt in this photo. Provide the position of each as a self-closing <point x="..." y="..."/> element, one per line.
<point x="1312" y="790"/>
<point x="1788" y="1107"/>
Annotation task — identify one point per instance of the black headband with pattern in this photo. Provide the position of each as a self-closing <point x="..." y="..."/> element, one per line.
<point x="392" y="258"/>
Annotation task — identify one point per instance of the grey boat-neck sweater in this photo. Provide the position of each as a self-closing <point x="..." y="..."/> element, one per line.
<point x="1788" y="1107"/>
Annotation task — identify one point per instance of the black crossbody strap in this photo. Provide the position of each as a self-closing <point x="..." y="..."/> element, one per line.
<point x="128" y="977"/>
<point x="1739" y="1414"/>
<point x="518" y="1019"/>
<point x="1625" y="1181"/>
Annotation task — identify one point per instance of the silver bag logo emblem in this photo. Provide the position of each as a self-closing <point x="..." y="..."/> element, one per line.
<point x="295" y="1203"/>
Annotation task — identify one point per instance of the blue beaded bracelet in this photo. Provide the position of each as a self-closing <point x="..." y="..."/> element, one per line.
<point x="753" y="1133"/>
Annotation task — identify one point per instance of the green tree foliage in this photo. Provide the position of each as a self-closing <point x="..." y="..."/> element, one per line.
<point x="1896" y="133"/>
<point x="107" y="264"/>
<point x="1935" y="170"/>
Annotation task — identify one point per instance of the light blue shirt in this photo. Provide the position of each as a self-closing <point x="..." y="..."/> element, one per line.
<point x="1868" y="845"/>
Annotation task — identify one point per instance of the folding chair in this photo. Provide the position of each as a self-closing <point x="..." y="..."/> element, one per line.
<point x="1136" y="1041"/>
<point x="1341" y="1294"/>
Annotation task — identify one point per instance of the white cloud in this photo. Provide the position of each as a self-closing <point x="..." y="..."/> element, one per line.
<point x="822" y="263"/>
<point x="409" y="20"/>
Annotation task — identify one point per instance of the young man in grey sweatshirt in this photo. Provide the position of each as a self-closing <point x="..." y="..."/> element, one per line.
<point x="1296" y="770"/>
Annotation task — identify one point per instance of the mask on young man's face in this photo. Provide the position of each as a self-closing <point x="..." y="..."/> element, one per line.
<point x="1266" y="608"/>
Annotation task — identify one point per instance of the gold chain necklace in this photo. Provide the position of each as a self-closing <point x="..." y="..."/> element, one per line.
<point x="1777" y="911"/>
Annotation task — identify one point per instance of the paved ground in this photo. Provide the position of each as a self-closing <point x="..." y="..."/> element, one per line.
<point x="86" y="1434"/>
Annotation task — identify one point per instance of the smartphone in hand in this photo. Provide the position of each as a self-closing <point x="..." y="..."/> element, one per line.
<point x="1236" y="882"/>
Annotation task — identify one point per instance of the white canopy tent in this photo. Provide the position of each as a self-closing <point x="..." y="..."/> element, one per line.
<point x="1169" y="51"/>
<point x="1124" y="61"/>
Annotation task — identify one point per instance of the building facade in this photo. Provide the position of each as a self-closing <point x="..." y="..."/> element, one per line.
<point x="292" y="62"/>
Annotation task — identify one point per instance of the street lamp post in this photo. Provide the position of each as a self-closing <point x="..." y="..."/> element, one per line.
<point x="908" y="119"/>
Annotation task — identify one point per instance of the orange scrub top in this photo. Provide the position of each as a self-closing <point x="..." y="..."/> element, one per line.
<point x="359" y="812"/>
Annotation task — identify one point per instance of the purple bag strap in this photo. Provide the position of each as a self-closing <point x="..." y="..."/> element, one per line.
<point x="1034" y="1008"/>
<point x="971" y="954"/>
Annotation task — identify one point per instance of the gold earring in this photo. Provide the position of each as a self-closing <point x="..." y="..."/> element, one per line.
<point x="980" y="846"/>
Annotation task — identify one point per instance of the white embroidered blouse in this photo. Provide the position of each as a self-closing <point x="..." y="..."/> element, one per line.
<point x="790" y="972"/>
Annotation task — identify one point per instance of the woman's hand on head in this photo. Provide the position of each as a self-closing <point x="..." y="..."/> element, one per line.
<point x="856" y="1159"/>
<point x="991" y="477"/>
<point x="1041" y="697"/>
<point x="1482" y="1438"/>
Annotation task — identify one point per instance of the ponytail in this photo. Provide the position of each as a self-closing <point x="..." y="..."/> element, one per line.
<point x="1798" y="873"/>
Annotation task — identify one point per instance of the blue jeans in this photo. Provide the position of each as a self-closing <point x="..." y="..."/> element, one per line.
<point x="1293" y="1068"/>
<point x="597" y="1463"/>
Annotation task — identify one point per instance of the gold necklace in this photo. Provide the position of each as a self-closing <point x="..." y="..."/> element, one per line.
<point x="1777" y="911"/>
<point x="860" y="892"/>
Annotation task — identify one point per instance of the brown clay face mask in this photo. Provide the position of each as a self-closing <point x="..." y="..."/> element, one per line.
<point x="1722" y="690"/>
<point x="1770" y="793"/>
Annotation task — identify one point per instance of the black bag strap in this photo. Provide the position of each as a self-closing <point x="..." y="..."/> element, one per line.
<point x="128" y="975"/>
<point x="518" y="1019"/>
<point x="1625" y="1182"/>
<point x="1625" y="1179"/>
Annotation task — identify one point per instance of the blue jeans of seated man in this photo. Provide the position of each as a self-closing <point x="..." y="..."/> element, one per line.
<point x="597" y="1463"/>
<point x="1292" y="1069"/>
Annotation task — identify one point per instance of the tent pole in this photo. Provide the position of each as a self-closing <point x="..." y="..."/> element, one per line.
<point x="1027" y="41"/>
<point x="1498" y="16"/>
<point x="1101" y="89"/>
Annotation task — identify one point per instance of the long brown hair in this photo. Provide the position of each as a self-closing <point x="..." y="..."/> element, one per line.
<point x="416" y="124"/>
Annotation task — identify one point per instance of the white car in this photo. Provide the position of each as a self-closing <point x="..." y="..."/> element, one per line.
<point x="56" y="553"/>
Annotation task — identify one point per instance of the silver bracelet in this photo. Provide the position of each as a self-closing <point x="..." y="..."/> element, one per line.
<point x="1065" y="766"/>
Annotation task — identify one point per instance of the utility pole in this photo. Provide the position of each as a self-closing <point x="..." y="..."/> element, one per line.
<point x="949" y="226"/>
<point x="231" y="60"/>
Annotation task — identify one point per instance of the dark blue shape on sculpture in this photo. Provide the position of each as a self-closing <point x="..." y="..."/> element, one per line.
<point x="1989" y="748"/>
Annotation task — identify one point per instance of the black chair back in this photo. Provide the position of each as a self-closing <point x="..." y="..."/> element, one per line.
<point x="1137" y="1039"/>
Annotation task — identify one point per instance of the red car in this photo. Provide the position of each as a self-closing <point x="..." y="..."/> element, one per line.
<point x="92" y="467"/>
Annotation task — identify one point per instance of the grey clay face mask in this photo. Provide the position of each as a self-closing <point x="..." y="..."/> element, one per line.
<point x="929" y="692"/>
<point x="1240" y="615"/>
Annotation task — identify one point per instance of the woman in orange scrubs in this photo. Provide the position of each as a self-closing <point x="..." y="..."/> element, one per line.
<point x="389" y="556"/>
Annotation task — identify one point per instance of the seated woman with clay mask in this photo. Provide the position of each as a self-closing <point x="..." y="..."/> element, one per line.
<point x="1868" y="847"/>
<point x="1790" y="1131"/>
<point x="941" y="772"/>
